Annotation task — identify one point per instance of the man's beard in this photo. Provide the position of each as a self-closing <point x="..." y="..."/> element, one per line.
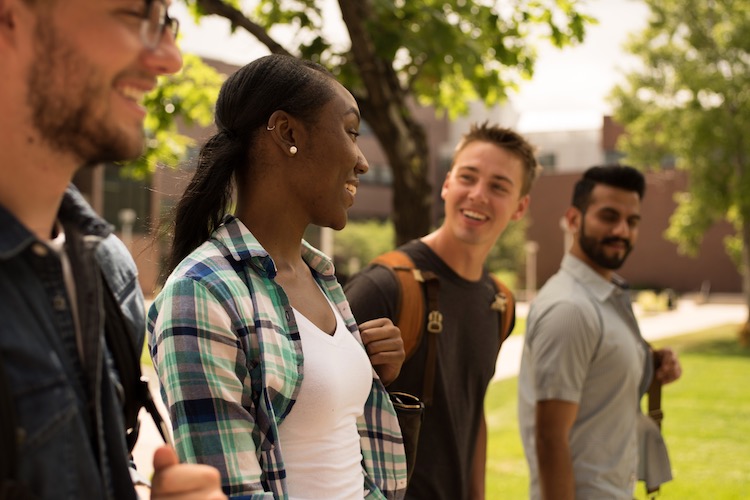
<point x="64" y="89"/>
<point x="594" y="249"/>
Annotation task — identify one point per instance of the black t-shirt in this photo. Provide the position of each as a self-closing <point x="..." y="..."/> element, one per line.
<point x="467" y="353"/>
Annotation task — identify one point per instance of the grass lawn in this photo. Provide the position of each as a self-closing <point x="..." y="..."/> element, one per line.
<point x="706" y="426"/>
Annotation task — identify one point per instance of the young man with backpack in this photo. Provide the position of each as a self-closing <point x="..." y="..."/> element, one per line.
<point x="465" y="313"/>
<point x="73" y="76"/>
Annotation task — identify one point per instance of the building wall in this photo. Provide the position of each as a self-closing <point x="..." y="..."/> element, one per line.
<point x="569" y="148"/>
<point x="654" y="262"/>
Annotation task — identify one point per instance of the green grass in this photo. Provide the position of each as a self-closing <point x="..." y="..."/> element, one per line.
<point x="520" y="327"/>
<point x="706" y="426"/>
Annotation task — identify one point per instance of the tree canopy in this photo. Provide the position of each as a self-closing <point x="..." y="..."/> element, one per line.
<point x="689" y="104"/>
<point x="394" y="54"/>
<point x="186" y="98"/>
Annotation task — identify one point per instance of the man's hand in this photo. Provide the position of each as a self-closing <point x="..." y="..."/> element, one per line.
<point x="669" y="366"/>
<point x="383" y="342"/>
<point x="175" y="481"/>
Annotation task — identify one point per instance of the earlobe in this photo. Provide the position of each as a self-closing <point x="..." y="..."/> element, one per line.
<point x="284" y="132"/>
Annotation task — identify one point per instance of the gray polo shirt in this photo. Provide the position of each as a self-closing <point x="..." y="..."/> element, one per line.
<point x="583" y="345"/>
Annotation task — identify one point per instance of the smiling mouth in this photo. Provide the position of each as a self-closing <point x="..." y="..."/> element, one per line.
<point x="132" y="93"/>
<point x="618" y="243"/>
<point x="474" y="215"/>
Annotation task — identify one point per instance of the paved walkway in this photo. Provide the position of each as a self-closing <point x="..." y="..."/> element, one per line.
<point x="687" y="317"/>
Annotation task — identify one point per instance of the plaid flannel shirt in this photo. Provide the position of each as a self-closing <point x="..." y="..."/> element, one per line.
<point x="229" y="358"/>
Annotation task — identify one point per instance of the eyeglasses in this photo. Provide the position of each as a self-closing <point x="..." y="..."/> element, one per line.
<point x="155" y="22"/>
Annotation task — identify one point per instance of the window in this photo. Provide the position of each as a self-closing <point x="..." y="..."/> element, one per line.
<point x="547" y="161"/>
<point x="613" y="157"/>
<point x="378" y="174"/>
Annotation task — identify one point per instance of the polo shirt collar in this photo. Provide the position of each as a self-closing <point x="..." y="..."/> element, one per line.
<point x="593" y="281"/>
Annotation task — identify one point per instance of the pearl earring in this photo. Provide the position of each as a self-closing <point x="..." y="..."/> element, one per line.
<point x="293" y="150"/>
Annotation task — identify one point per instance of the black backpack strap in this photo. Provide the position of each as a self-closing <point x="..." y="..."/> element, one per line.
<point x="434" y="328"/>
<point x="414" y="286"/>
<point x="10" y="488"/>
<point x="8" y="442"/>
<point x="127" y="361"/>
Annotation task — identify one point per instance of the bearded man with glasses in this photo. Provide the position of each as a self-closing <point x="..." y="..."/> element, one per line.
<point x="74" y="74"/>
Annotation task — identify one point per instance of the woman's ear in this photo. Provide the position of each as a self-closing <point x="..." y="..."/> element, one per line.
<point x="285" y="131"/>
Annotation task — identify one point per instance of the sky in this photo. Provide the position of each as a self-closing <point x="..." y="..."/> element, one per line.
<point x="569" y="86"/>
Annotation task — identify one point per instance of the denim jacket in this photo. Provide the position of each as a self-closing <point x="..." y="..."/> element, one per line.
<point x="70" y="431"/>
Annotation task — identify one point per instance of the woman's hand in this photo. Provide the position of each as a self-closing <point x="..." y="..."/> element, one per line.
<point x="384" y="346"/>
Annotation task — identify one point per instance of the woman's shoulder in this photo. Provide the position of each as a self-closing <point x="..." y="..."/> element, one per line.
<point x="208" y="266"/>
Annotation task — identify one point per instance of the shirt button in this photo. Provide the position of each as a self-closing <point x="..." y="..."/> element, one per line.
<point x="39" y="249"/>
<point x="59" y="302"/>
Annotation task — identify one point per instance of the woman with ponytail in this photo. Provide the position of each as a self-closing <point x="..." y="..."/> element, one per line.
<point x="265" y="373"/>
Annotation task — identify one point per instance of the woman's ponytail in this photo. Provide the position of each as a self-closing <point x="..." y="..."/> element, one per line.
<point x="206" y="199"/>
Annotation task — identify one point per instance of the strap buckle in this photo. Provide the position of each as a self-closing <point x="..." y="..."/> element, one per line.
<point x="657" y="415"/>
<point x="435" y="322"/>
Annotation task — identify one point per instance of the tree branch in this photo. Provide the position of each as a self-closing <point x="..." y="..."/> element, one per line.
<point x="238" y="18"/>
<point x="372" y="69"/>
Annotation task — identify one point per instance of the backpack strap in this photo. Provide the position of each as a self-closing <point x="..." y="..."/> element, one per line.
<point x="127" y="361"/>
<point x="410" y="311"/>
<point x="410" y="303"/>
<point x="434" y="328"/>
<point x="8" y="442"/>
<point x="654" y="408"/>
<point x="505" y="304"/>
<point x="10" y="487"/>
<point x="654" y="391"/>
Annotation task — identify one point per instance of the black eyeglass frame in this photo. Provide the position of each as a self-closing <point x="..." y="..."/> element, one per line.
<point x="152" y="30"/>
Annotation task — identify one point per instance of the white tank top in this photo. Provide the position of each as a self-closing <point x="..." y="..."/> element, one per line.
<point x="319" y="439"/>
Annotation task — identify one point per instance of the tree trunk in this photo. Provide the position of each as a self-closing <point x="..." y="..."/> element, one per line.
<point x="385" y="108"/>
<point x="412" y="190"/>
<point x="408" y="155"/>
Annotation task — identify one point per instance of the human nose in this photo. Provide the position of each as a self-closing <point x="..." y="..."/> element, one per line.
<point x="362" y="165"/>
<point x="622" y="229"/>
<point x="478" y="193"/>
<point x="165" y="58"/>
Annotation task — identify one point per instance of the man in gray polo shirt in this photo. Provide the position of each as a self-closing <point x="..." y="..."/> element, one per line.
<point x="585" y="365"/>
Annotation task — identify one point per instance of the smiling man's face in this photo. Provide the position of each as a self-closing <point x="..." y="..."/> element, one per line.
<point x="482" y="193"/>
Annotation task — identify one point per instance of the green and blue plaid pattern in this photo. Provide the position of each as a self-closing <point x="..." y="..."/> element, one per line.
<point x="229" y="358"/>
